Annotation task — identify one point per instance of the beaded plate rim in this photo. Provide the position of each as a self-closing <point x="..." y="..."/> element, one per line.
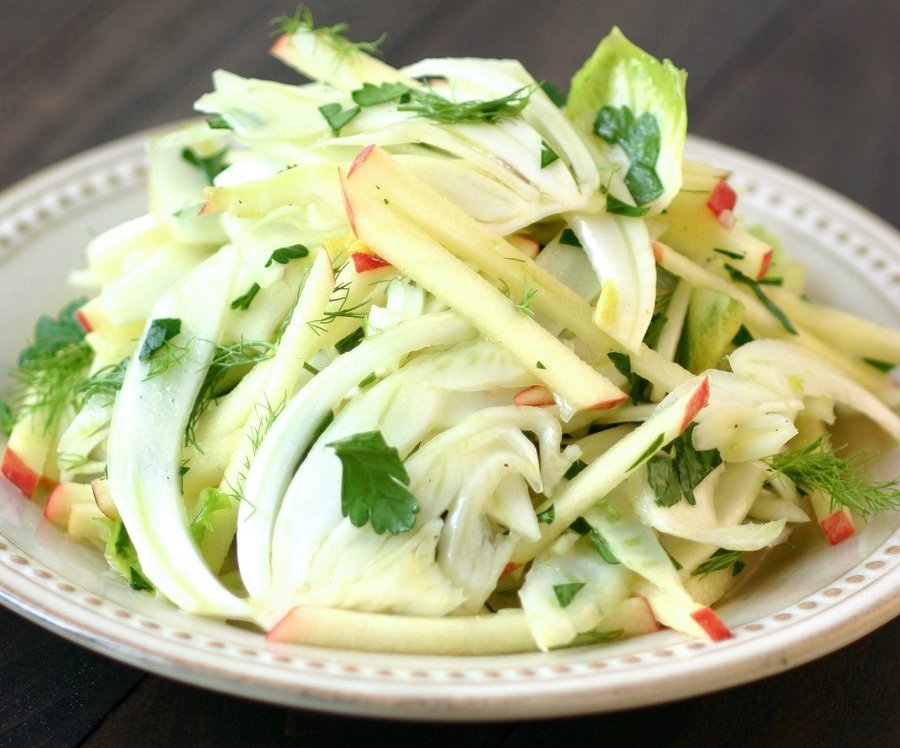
<point x="239" y="662"/>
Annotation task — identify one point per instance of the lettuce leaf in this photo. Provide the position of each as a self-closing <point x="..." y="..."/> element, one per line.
<point x="634" y="107"/>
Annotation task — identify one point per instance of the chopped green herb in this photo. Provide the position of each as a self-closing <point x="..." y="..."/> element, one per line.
<point x="244" y="301"/>
<point x="370" y="95"/>
<point x="548" y="155"/>
<point x="640" y="139"/>
<point x="565" y="593"/>
<point x="336" y="116"/>
<point x="602" y="547"/>
<point x="729" y="253"/>
<point x="574" y="469"/>
<point x="598" y="637"/>
<point x="767" y="281"/>
<point x="139" y="582"/>
<point x="160" y="332"/>
<point x="675" y="562"/>
<point x="657" y="323"/>
<point x="675" y="475"/>
<point x="884" y="366"/>
<point x="310" y="368"/>
<point x="211" y="165"/>
<point x="842" y="479"/>
<point x="581" y="526"/>
<point x="548" y="516"/>
<point x="374" y="484"/>
<point x="540" y="365"/>
<point x="368" y="380"/>
<point x="569" y="238"/>
<point x="218" y="122"/>
<point x="720" y="560"/>
<point x="639" y="387"/>
<point x="350" y="342"/>
<point x="616" y="207"/>
<point x="649" y="452"/>
<point x="337" y="307"/>
<point x="284" y="255"/>
<point x="743" y="336"/>
<point x="738" y="277"/>
<point x="553" y="93"/>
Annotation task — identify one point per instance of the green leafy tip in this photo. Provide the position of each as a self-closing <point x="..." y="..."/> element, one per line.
<point x="284" y="255"/>
<point x="336" y="34"/>
<point x="160" y="332"/>
<point x="675" y="475"/>
<point x="374" y="484"/>
<point x="244" y="301"/>
<point x="565" y="593"/>
<point x="720" y="560"/>
<point x="211" y="165"/>
<point x="842" y="479"/>
<point x="738" y="277"/>
<point x="47" y="369"/>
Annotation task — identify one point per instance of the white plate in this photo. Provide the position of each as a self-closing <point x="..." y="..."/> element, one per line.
<point x="806" y="602"/>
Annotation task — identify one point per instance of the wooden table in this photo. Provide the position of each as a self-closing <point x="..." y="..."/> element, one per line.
<point x="809" y="84"/>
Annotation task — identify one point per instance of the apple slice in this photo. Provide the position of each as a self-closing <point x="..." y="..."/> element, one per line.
<point x="669" y="419"/>
<point x="63" y="498"/>
<point x="87" y="523"/>
<point x="27" y="453"/>
<point x="497" y="633"/>
<point x="525" y="244"/>
<point x="633" y="617"/>
<point x="837" y="524"/>
<point x="419" y="256"/>
<point x="494" y="257"/>
<point x="536" y="395"/>
<point x="701" y="222"/>
<point x="104" y="499"/>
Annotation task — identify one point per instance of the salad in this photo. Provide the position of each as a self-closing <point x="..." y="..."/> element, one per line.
<point x="437" y="359"/>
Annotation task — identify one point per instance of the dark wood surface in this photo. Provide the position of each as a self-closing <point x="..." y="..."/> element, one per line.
<point x="812" y="85"/>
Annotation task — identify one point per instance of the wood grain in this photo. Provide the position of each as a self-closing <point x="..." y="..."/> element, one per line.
<point x="810" y="84"/>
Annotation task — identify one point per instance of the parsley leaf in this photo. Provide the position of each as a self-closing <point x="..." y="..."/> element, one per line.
<point x="244" y="301"/>
<point x="548" y="155"/>
<point x="565" y="593"/>
<point x="602" y="547"/>
<point x="574" y="469"/>
<point x="336" y="116"/>
<point x="638" y="385"/>
<point x="374" y="484"/>
<point x="569" y="238"/>
<point x="218" y="122"/>
<point x="675" y="475"/>
<point x="548" y="516"/>
<point x="640" y="139"/>
<point x="616" y="207"/>
<point x="284" y="255"/>
<point x="211" y="165"/>
<point x="370" y="94"/>
<point x="158" y="334"/>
